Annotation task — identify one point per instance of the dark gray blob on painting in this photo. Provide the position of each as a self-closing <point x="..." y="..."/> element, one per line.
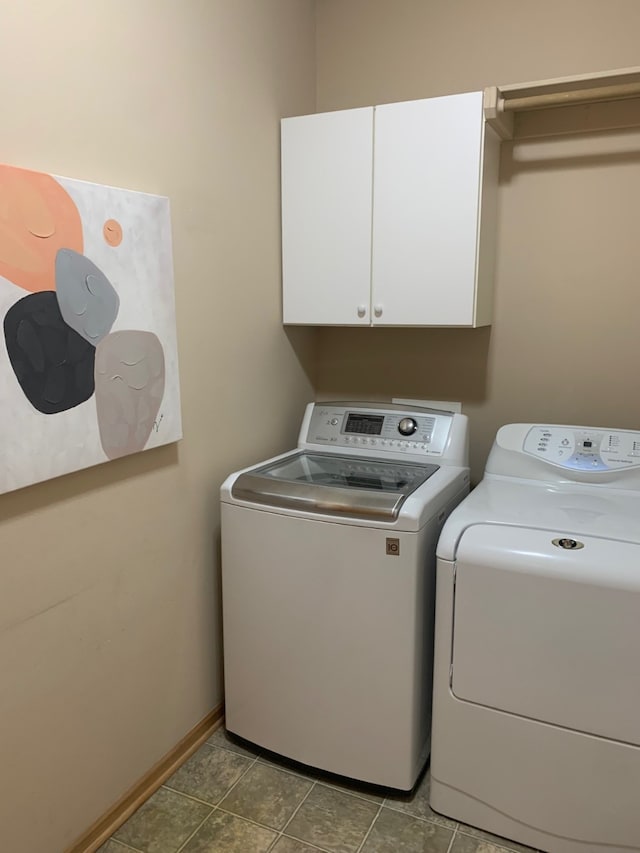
<point x="53" y="364"/>
<point x="130" y="377"/>
<point x="87" y="300"/>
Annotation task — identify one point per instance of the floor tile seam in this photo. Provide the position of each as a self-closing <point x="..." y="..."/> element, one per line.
<point x="224" y="810"/>
<point x="192" y="797"/>
<point x="123" y="844"/>
<point x="452" y="840"/>
<point x="336" y="787"/>
<point x="371" y="825"/>
<point x="195" y="831"/>
<point x="266" y="763"/>
<point x="251" y="820"/>
<point x="208" y="802"/>
<point x="251" y="764"/>
<point x="432" y="820"/>
<point x="491" y="841"/>
<point x="259" y="750"/>
<point x="301" y="840"/>
<point x="251" y="755"/>
<point x="293" y="814"/>
<point x="333" y="785"/>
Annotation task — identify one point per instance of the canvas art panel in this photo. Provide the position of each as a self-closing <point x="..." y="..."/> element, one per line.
<point x="88" y="361"/>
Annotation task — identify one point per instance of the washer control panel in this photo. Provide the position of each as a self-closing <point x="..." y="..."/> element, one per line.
<point x="398" y="432"/>
<point x="584" y="449"/>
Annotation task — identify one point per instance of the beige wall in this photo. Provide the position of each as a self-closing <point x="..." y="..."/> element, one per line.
<point x="563" y="344"/>
<point x="110" y="650"/>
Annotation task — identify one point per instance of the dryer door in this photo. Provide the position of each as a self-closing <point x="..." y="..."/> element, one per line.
<point x="549" y="633"/>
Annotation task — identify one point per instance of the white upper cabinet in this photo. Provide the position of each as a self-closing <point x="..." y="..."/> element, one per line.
<point x="389" y="215"/>
<point x="327" y="167"/>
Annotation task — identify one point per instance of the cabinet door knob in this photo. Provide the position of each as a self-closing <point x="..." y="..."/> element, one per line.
<point x="377" y="310"/>
<point x="362" y="310"/>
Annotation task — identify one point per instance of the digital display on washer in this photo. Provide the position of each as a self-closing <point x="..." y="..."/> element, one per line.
<point x="364" y="424"/>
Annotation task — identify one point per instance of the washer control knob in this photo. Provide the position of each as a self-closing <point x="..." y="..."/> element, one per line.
<point x="407" y="426"/>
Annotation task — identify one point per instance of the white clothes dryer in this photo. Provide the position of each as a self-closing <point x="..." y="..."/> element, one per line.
<point x="536" y="720"/>
<point x="328" y="588"/>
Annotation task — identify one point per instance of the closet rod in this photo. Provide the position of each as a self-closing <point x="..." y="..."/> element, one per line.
<point x="614" y="92"/>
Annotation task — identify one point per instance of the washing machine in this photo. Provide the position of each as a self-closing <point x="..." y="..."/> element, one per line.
<point x="536" y="716"/>
<point x="328" y="588"/>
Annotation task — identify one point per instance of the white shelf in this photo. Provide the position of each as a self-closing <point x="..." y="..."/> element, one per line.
<point x="585" y="102"/>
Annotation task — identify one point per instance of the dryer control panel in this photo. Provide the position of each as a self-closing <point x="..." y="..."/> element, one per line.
<point x="584" y="448"/>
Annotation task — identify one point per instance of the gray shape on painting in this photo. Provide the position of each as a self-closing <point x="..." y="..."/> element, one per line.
<point x="88" y="302"/>
<point x="129" y="383"/>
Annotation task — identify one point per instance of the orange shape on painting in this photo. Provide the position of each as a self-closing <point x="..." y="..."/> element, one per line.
<point x="37" y="217"/>
<point x="112" y="231"/>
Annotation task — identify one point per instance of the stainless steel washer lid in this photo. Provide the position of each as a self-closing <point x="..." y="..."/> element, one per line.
<point x="334" y="485"/>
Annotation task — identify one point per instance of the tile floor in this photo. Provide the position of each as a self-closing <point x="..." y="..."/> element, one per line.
<point x="231" y="798"/>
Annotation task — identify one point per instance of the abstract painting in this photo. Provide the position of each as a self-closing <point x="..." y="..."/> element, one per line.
<point x="88" y="364"/>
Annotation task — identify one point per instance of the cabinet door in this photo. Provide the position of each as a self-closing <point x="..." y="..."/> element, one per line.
<point x="426" y="206"/>
<point x="327" y="162"/>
